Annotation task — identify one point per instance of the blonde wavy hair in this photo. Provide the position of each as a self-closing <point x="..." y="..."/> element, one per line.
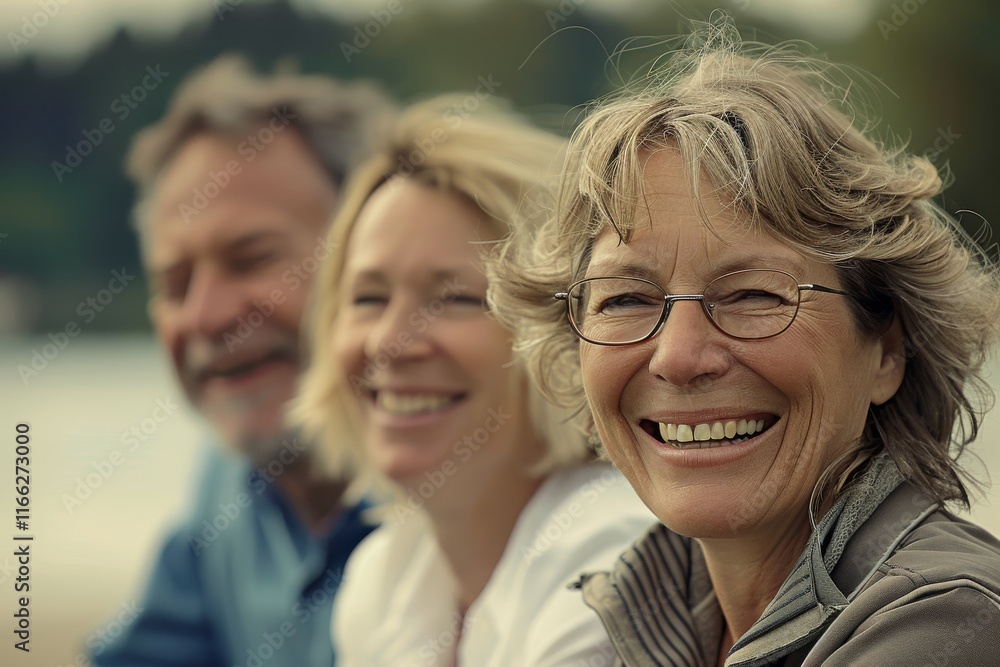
<point x="778" y="136"/>
<point x="475" y="149"/>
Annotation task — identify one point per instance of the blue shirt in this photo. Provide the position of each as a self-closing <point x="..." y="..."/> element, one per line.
<point x="242" y="583"/>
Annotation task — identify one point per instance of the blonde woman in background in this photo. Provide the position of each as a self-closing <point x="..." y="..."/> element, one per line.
<point x="498" y="501"/>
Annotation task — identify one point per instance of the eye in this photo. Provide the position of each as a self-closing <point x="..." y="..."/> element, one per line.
<point x="250" y="262"/>
<point x="470" y="300"/>
<point x="171" y="286"/>
<point x="372" y="299"/>
<point x="619" y="303"/>
<point x="749" y="299"/>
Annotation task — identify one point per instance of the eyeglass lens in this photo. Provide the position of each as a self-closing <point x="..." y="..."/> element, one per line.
<point x="744" y="304"/>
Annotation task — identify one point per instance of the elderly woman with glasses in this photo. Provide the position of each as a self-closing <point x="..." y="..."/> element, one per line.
<point x="778" y="338"/>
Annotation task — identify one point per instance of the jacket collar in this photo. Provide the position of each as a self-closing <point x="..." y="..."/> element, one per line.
<point x="681" y="624"/>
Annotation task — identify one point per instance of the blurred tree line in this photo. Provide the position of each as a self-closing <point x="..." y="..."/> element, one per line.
<point x="64" y="229"/>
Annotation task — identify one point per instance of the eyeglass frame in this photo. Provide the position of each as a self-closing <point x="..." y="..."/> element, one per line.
<point x="670" y="299"/>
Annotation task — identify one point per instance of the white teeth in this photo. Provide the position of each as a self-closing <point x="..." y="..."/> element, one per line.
<point x="668" y="431"/>
<point x="714" y="431"/>
<point x="408" y="404"/>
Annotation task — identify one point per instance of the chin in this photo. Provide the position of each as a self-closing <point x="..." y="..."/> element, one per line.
<point x="260" y="441"/>
<point x="703" y="513"/>
<point x="410" y="473"/>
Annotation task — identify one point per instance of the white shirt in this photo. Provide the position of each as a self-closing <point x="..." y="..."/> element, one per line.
<point x="398" y="605"/>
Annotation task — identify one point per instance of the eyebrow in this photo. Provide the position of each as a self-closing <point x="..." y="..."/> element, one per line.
<point x="438" y="275"/>
<point x="629" y="269"/>
<point x="252" y="238"/>
<point x="790" y="262"/>
<point x="234" y="245"/>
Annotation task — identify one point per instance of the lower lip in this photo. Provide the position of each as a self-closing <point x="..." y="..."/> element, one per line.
<point x="709" y="456"/>
<point x="388" y="419"/>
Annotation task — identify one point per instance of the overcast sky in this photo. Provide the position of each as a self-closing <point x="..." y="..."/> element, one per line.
<point x="79" y="25"/>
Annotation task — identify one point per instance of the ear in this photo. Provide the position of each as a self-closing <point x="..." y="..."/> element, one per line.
<point x="889" y="375"/>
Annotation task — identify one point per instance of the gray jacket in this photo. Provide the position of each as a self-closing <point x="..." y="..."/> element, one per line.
<point x="887" y="578"/>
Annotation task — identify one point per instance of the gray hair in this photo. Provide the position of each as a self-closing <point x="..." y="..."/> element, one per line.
<point x="338" y="120"/>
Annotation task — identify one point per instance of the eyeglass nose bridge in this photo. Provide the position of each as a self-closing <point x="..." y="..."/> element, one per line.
<point x="668" y="303"/>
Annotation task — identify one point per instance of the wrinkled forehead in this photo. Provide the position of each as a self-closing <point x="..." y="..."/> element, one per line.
<point x="669" y="210"/>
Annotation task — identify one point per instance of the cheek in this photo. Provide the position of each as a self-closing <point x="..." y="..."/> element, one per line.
<point x="347" y="343"/>
<point x="287" y="306"/>
<point x="166" y="320"/>
<point x="604" y="378"/>
<point x="605" y="372"/>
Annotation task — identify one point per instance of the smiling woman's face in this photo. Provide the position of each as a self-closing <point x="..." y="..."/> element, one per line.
<point x="430" y="368"/>
<point x="808" y="388"/>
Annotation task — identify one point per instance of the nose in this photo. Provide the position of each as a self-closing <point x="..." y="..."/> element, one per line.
<point x="401" y="333"/>
<point x="689" y="350"/>
<point x="212" y="304"/>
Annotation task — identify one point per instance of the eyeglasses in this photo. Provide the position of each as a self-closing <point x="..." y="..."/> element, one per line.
<point x="749" y="304"/>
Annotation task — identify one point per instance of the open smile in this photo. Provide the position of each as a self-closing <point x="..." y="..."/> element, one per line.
<point x="413" y="403"/>
<point x="711" y="434"/>
<point x="236" y="371"/>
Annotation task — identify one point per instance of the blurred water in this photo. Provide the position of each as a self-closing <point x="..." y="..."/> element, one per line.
<point x="97" y="516"/>
<point x="89" y="557"/>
